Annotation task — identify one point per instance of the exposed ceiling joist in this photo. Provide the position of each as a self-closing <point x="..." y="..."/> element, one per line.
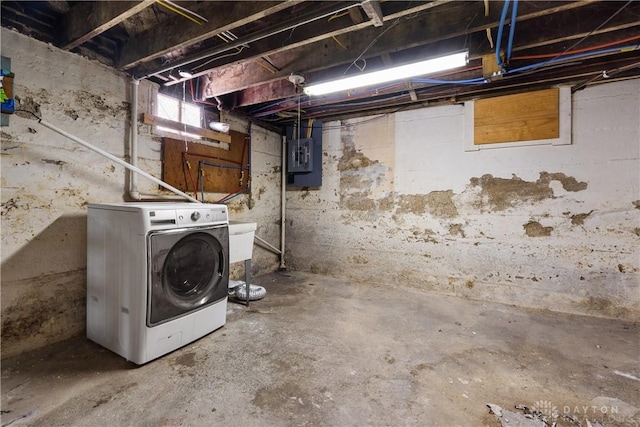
<point x="245" y="51"/>
<point x="175" y="35"/>
<point x="316" y="30"/>
<point x="374" y="12"/>
<point x="435" y="26"/>
<point x="86" y="21"/>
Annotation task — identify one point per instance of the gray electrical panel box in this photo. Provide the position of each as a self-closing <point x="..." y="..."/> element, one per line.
<point x="300" y="155"/>
<point x="304" y="156"/>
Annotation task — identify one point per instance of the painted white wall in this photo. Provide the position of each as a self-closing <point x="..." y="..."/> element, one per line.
<point x="47" y="181"/>
<point x="403" y="204"/>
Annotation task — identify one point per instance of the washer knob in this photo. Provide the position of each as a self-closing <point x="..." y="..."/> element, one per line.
<point x="195" y="216"/>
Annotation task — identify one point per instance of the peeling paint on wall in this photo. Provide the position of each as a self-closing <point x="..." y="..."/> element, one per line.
<point x="351" y="159"/>
<point x="578" y="219"/>
<point x="456" y="230"/>
<point x="502" y="193"/>
<point x="477" y="224"/>
<point x="535" y="229"/>
<point x="440" y="204"/>
<point x="569" y="183"/>
<point x="412" y="203"/>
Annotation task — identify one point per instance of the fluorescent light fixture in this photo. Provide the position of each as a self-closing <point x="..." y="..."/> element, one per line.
<point x="391" y="74"/>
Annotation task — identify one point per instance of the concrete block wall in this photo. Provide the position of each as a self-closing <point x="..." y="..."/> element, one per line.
<point x="552" y="227"/>
<point x="48" y="180"/>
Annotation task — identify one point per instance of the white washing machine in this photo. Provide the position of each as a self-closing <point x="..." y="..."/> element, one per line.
<point x="157" y="275"/>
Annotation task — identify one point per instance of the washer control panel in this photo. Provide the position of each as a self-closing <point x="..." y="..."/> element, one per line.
<point x="203" y="214"/>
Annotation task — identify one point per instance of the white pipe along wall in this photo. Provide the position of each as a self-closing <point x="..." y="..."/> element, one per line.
<point x="553" y="227"/>
<point x="48" y="180"/>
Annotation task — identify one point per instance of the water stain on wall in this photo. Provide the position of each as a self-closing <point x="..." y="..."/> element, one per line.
<point x="502" y="193"/>
<point x="569" y="183"/>
<point x="353" y="159"/>
<point x="438" y="203"/>
<point x="43" y="317"/>
<point x="411" y="203"/>
<point x="456" y="230"/>
<point x="387" y="203"/>
<point x="535" y="229"/>
<point x="28" y="105"/>
<point x="350" y="181"/>
<point x="604" y="306"/>
<point x="578" y="219"/>
<point x="357" y="202"/>
<point x="636" y="204"/>
<point x="95" y="103"/>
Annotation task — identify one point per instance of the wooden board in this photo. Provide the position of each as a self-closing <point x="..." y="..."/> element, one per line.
<point x="522" y="117"/>
<point x="148" y="119"/>
<point x="222" y="170"/>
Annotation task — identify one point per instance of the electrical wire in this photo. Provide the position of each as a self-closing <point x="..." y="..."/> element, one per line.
<point x="396" y="22"/>
<point x="586" y="49"/>
<point x="178" y="11"/>
<point x="556" y="60"/>
<point x="185" y="10"/>
<point x="568" y="54"/>
<point x="503" y="18"/>
<point x="512" y="29"/>
<point x="573" y="46"/>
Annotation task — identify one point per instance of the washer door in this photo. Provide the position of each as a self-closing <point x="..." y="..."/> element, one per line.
<point x="188" y="270"/>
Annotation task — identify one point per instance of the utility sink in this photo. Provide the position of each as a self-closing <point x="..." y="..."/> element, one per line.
<point x="241" y="236"/>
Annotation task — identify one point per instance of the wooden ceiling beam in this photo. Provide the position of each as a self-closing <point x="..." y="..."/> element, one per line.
<point x="175" y="35"/>
<point x="458" y="20"/>
<point x="276" y="40"/>
<point x="89" y="19"/>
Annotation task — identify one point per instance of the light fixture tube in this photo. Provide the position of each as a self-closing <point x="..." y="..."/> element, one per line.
<point x="390" y="74"/>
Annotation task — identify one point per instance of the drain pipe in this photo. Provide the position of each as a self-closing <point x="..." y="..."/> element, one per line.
<point x="116" y="160"/>
<point x="282" y="201"/>
<point x="133" y="150"/>
<point x="133" y="192"/>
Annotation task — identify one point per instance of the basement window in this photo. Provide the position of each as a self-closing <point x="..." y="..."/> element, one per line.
<point x="178" y="111"/>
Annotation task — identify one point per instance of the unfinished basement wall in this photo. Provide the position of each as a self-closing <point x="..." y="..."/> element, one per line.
<point x="48" y="180"/>
<point x="552" y="227"/>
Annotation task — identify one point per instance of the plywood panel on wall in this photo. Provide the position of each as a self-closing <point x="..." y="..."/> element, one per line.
<point x="521" y="117"/>
<point x="221" y="171"/>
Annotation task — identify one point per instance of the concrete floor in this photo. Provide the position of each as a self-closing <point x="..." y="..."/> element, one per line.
<point x="325" y="352"/>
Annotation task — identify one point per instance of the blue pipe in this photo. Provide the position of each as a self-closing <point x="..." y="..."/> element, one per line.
<point x="503" y="18"/>
<point x="575" y="56"/>
<point x="474" y="81"/>
<point x="512" y="28"/>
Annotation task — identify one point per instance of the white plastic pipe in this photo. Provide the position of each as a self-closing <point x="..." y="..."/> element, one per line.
<point x="282" y="201"/>
<point x="133" y="150"/>
<point x="116" y="159"/>
<point x="268" y="245"/>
